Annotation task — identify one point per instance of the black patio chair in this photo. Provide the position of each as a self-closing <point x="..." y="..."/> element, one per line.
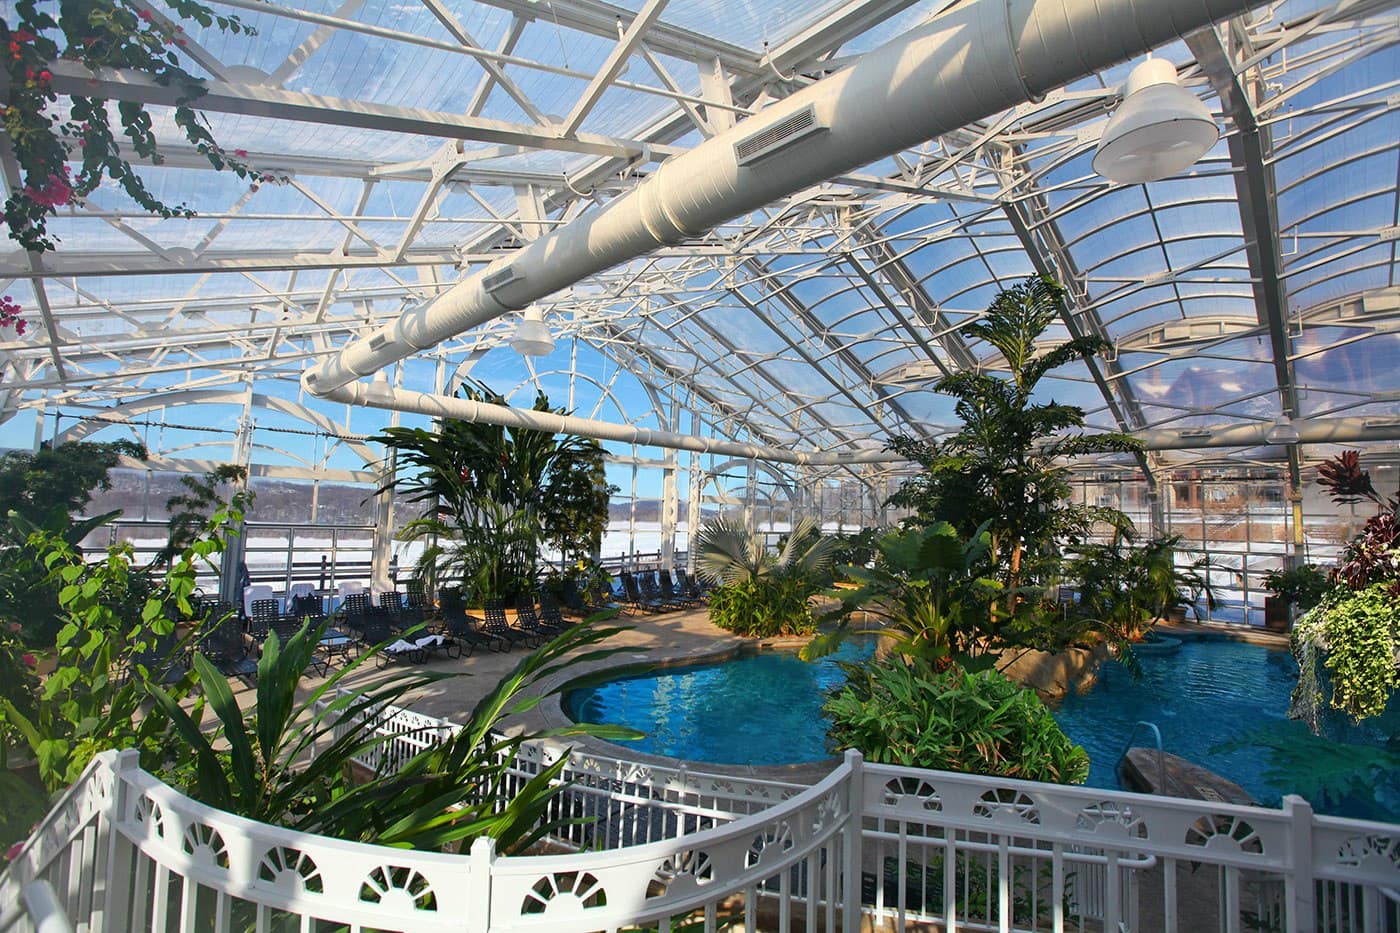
<point x="495" y="623"/>
<point x="529" y="621"/>
<point x="652" y="593"/>
<point x="223" y="643"/>
<point x="467" y="632"/>
<point x="377" y="633"/>
<point x="549" y="613"/>
<point x="354" y="613"/>
<point x="632" y="595"/>
<point x="670" y="594"/>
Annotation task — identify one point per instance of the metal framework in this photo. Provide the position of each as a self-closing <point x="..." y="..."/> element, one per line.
<point x="423" y="139"/>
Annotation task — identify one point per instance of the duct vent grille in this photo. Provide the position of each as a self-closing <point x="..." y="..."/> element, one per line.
<point x="500" y="279"/>
<point x="378" y="341"/>
<point x="780" y="135"/>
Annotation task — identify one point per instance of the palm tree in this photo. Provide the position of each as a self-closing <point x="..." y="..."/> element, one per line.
<point x="496" y="491"/>
<point x="763" y="593"/>
<point x="1003" y="470"/>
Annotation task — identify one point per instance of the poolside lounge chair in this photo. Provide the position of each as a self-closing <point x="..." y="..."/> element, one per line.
<point x="223" y="644"/>
<point x="634" y="598"/>
<point x="377" y="633"/>
<point x="669" y="593"/>
<point x="494" y="623"/>
<point x="466" y="631"/>
<point x="549" y="612"/>
<point x="528" y="621"/>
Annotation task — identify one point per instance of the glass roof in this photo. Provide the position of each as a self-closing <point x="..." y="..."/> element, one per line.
<point x="423" y="138"/>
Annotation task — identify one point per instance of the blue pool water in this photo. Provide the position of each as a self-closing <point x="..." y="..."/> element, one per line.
<point x="758" y="710"/>
<point x="766" y="710"/>
<point x="1203" y="698"/>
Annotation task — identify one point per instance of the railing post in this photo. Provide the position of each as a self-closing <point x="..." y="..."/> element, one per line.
<point x="851" y="842"/>
<point x="1299" y="886"/>
<point x="112" y="907"/>
<point x="483" y="858"/>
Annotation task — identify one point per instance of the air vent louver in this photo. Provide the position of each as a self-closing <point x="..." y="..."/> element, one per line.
<point x="378" y="340"/>
<point x="500" y="279"/>
<point x="780" y="135"/>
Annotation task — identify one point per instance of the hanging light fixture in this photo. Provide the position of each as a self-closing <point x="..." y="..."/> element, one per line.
<point x="1282" y="431"/>
<point x="1160" y="129"/>
<point x="532" y="337"/>
<point x="378" y="390"/>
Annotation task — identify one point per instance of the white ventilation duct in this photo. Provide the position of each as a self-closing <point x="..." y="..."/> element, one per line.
<point x="444" y="406"/>
<point x="1253" y="434"/>
<point x="967" y="64"/>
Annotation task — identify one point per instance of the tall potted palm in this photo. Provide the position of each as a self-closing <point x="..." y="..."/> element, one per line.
<point x="499" y="493"/>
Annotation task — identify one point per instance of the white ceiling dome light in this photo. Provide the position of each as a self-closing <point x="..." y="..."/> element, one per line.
<point x="532" y="337"/>
<point x="1160" y="129"/>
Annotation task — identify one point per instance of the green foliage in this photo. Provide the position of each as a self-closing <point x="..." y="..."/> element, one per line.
<point x="500" y="494"/>
<point x="927" y="593"/>
<point x="280" y="761"/>
<point x="1004" y="469"/>
<point x="1126" y="587"/>
<point x="99" y="34"/>
<point x="899" y="711"/>
<point x="764" y="607"/>
<point x="1360" y="633"/>
<point x="856" y="549"/>
<point x="190" y="510"/>
<point x="58" y="479"/>
<point x="1329" y="774"/>
<point x="976" y="883"/>
<point x="1303" y="586"/>
<point x="762" y="593"/>
<point x="107" y="650"/>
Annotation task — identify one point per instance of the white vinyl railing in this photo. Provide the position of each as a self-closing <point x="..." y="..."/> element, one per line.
<point x="621" y="802"/>
<point x="871" y="846"/>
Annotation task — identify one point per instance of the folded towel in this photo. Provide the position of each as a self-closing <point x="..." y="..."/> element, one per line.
<point x="430" y="641"/>
<point x="401" y="647"/>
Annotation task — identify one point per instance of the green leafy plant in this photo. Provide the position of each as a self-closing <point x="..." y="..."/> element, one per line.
<point x="1355" y="634"/>
<point x="190" y="509"/>
<point x="1005" y="468"/>
<point x="1127" y="587"/>
<point x="97" y="34"/>
<point x="762" y="593"/>
<point x="500" y="495"/>
<point x="905" y="712"/>
<point x="1302" y="586"/>
<point x="1354" y="631"/>
<point x="1329" y="774"/>
<point x="281" y="761"/>
<point x="926" y="592"/>
<point x="107" y="652"/>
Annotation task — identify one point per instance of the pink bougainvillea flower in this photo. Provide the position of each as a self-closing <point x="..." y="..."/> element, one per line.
<point x="146" y="15"/>
<point x="241" y="153"/>
<point x="46" y="76"/>
<point x="13" y="851"/>
<point x="23" y="35"/>
<point x="29" y="660"/>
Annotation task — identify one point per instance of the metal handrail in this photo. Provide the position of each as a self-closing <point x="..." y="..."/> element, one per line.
<point x="1161" y="760"/>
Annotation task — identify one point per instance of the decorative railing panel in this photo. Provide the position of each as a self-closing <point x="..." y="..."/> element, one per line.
<point x="908" y="848"/>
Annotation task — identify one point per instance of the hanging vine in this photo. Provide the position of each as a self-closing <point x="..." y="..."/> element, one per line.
<point x="39" y="39"/>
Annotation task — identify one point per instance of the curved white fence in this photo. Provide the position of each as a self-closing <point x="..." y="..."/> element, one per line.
<point x="871" y="846"/>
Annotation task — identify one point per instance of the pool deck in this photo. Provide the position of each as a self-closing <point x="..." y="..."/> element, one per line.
<point x="666" y="639"/>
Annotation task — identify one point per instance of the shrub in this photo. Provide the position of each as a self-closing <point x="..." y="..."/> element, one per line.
<point x="764" y="607"/>
<point x="900" y="712"/>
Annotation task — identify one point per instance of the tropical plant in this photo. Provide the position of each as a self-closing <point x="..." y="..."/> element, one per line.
<point x="762" y="593"/>
<point x="1331" y="775"/>
<point x="107" y="651"/>
<point x="1004" y="468"/>
<point x="499" y="494"/>
<point x="1127" y="588"/>
<point x="906" y="712"/>
<point x="856" y="549"/>
<point x="97" y="34"/>
<point x="58" y="479"/>
<point x="282" y="761"/>
<point x="925" y="591"/>
<point x="190" y="509"/>
<point x="1354" y="631"/>
<point x="1302" y="587"/>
